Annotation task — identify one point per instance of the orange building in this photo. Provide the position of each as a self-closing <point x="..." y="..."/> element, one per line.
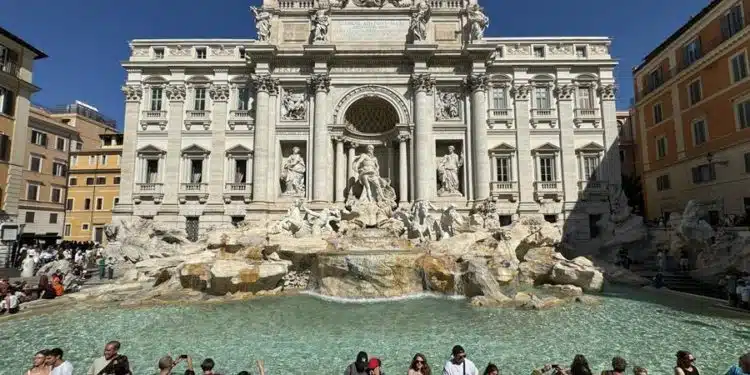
<point x="692" y="114"/>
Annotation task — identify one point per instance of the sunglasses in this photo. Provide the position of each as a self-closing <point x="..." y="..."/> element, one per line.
<point x="419" y="361"/>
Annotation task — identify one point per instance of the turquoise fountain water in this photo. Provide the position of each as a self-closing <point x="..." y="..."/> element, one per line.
<point x="303" y="335"/>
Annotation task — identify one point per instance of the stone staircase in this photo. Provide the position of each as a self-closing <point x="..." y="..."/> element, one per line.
<point x="676" y="280"/>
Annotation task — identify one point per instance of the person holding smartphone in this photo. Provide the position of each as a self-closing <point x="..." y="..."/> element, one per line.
<point x="166" y="364"/>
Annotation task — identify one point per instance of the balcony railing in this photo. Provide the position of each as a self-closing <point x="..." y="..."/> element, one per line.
<point x="503" y="186"/>
<point x="705" y="49"/>
<point x="299" y="4"/>
<point x="149" y="188"/>
<point x="592" y="186"/>
<point x="543" y="112"/>
<point x="154" y="115"/>
<point x="193" y="187"/>
<point x="501" y="113"/>
<point x="198" y="115"/>
<point x="588" y="113"/>
<point x="445" y="3"/>
<point x="547" y="186"/>
<point x="241" y="115"/>
<point x="239" y="187"/>
<point x="10" y="67"/>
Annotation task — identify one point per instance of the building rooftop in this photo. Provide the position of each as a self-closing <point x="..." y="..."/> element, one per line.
<point x="82" y="109"/>
<point x="25" y="44"/>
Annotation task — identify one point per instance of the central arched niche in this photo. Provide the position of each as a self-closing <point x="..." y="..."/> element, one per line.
<point x="372" y="115"/>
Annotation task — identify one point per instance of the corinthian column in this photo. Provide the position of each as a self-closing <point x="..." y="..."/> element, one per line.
<point x="220" y="97"/>
<point x="340" y="169"/>
<point x="320" y="84"/>
<point x="264" y="85"/>
<point x="403" y="162"/>
<point x="133" y="96"/>
<point x="175" y="93"/>
<point x="424" y="153"/>
<point x="477" y="85"/>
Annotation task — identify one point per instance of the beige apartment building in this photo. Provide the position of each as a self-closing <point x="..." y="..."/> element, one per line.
<point x="628" y="149"/>
<point x="54" y="133"/>
<point x="693" y="114"/>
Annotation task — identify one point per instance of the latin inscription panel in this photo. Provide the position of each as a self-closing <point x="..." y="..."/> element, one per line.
<point x="373" y="30"/>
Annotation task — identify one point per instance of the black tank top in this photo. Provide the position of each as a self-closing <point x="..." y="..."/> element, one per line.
<point x="694" y="372"/>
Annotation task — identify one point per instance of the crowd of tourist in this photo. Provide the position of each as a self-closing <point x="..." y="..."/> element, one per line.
<point x="738" y="290"/>
<point x="51" y="362"/>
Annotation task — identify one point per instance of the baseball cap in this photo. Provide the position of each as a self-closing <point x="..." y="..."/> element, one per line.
<point x="373" y="364"/>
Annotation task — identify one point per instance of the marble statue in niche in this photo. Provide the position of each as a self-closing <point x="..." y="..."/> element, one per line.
<point x="293" y="106"/>
<point x="448" y="106"/>
<point x="374" y="187"/>
<point x="320" y="23"/>
<point x="448" y="169"/>
<point x="262" y="23"/>
<point x="478" y="21"/>
<point x="293" y="173"/>
<point x="419" y="18"/>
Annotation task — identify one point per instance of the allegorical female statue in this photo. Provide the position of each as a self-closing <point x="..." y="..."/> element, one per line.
<point x="293" y="173"/>
<point x="448" y="172"/>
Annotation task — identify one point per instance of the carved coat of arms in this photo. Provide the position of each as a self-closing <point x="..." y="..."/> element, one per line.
<point x="369" y="3"/>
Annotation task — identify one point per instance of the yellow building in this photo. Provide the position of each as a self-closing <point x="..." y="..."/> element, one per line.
<point x="93" y="189"/>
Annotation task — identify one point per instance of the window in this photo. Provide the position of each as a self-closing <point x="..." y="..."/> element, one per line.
<point x="152" y="171"/>
<point x="158" y="53"/>
<point x="200" y="53"/>
<point x="704" y="173"/>
<point x="242" y="52"/>
<point x="243" y="99"/>
<point x="101" y="180"/>
<point x="157" y="98"/>
<point x="700" y="132"/>
<point x="747" y="162"/>
<point x="504" y="170"/>
<point x="661" y="148"/>
<point x="694" y="92"/>
<point x="116" y="180"/>
<point x="196" y="171"/>
<point x="32" y="192"/>
<point x="73" y="160"/>
<point x="499" y="98"/>
<point x="742" y="110"/>
<point x="692" y="52"/>
<point x="585" y="99"/>
<point x="92" y="160"/>
<point x="85" y="227"/>
<point x="539" y="51"/>
<point x="39" y="138"/>
<point x="738" y="64"/>
<point x="100" y="203"/>
<point x="87" y="204"/>
<point x="5" y="147"/>
<point x="662" y="183"/>
<point x="56" y="195"/>
<point x="35" y="164"/>
<point x="53" y="218"/>
<point x="240" y="171"/>
<point x="73" y="181"/>
<point x="658" y="115"/>
<point x="69" y="204"/>
<point x="655" y="79"/>
<point x="590" y="167"/>
<point x="581" y="51"/>
<point x="199" y="102"/>
<point x="89" y="180"/>
<point x="115" y="201"/>
<point x="732" y="22"/>
<point x="29" y="217"/>
<point x="622" y="156"/>
<point x="7" y="101"/>
<point x="58" y="169"/>
<point x="541" y="96"/>
<point x="547" y="169"/>
<point x="60" y="145"/>
<point x="79" y="146"/>
<point x="103" y="159"/>
<point x="67" y="229"/>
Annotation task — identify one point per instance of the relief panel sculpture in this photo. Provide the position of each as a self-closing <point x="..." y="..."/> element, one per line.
<point x="294" y="106"/>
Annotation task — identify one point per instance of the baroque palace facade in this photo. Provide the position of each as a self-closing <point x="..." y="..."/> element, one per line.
<point x="224" y="130"/>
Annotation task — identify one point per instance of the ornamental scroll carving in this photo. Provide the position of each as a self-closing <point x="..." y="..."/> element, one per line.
<point x="422" y="82"/>
<point x="133" y="93"/>
<point x="607" y="92"/>
<point x="175" y="92"/>
<point x="521" y="92"/>
<point x="564" y="92"/>
<point x="477" y="82"/>
<point x="319" y="82"/>
<point x="219" y="93"/>
<point x="264" y="82"/>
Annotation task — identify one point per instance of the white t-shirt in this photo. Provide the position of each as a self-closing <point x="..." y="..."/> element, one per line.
<point x="66" y="368"/>
<point x="454" y="369"/>
<point x="746" y="294"/>
<point x="13" y="302"/>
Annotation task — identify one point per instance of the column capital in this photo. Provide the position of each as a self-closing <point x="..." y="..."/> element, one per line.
<point x="353" y="145"/>
<point x="607" y="91"/>
<point x="175" y="92"/>
<point x="422" y="82"/>
<point x="477" y="82"/>
<point x="219" y="92"/>
<point x="521" y="92"/>
<point x="266" y="83"/>
<point x="319" y="82"/>
<point x="564" y="92"/>
<point x="133" y="93"/>
<point x="337" y="138"/>
<point x="403" y="138"/>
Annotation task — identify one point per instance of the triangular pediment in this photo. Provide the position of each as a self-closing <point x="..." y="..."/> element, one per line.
<point x="195" y="149"/>
<point x="591" y="147"/>
<point x="548" y="147"/>
<point x="239" y="149"/>
<point x="150" y="149"/>
<point x="503" y="147"/>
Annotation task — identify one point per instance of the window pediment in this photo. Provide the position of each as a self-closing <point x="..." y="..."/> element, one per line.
<point x="239" y="150"/>
<point x="502" y="149"/>
<point x="592" y="148"/>
<point x="150" y="149"/>
<point x="195" y="150"/>
<point x="547" y="148"/>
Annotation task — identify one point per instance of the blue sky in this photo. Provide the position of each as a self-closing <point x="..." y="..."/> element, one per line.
<point x="87" y="39"/>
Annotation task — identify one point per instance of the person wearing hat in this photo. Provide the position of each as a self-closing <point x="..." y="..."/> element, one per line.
<point x="374" y="366"/>
<point x="459" y="364"/>
<point x="359" y="367"/>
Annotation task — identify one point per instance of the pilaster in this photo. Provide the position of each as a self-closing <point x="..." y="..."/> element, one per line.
<point x="175" y="93"/>
<point x="424" y="145"/>
<point x="521" y="94"/>
<point x="264" y="86"/>
<point x="403" y="163"/>
<point x="565" y="92"/>
<point x="341" y="163"/>
<point x="478" y="84"/>
<point x="320" y="84"/>
<point x="611" y="160"/>
<point x="133" y="95"/>
<point x="219" y="93"/>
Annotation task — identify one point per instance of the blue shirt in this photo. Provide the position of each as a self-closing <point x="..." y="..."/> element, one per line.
<point x="736" y="370"/>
